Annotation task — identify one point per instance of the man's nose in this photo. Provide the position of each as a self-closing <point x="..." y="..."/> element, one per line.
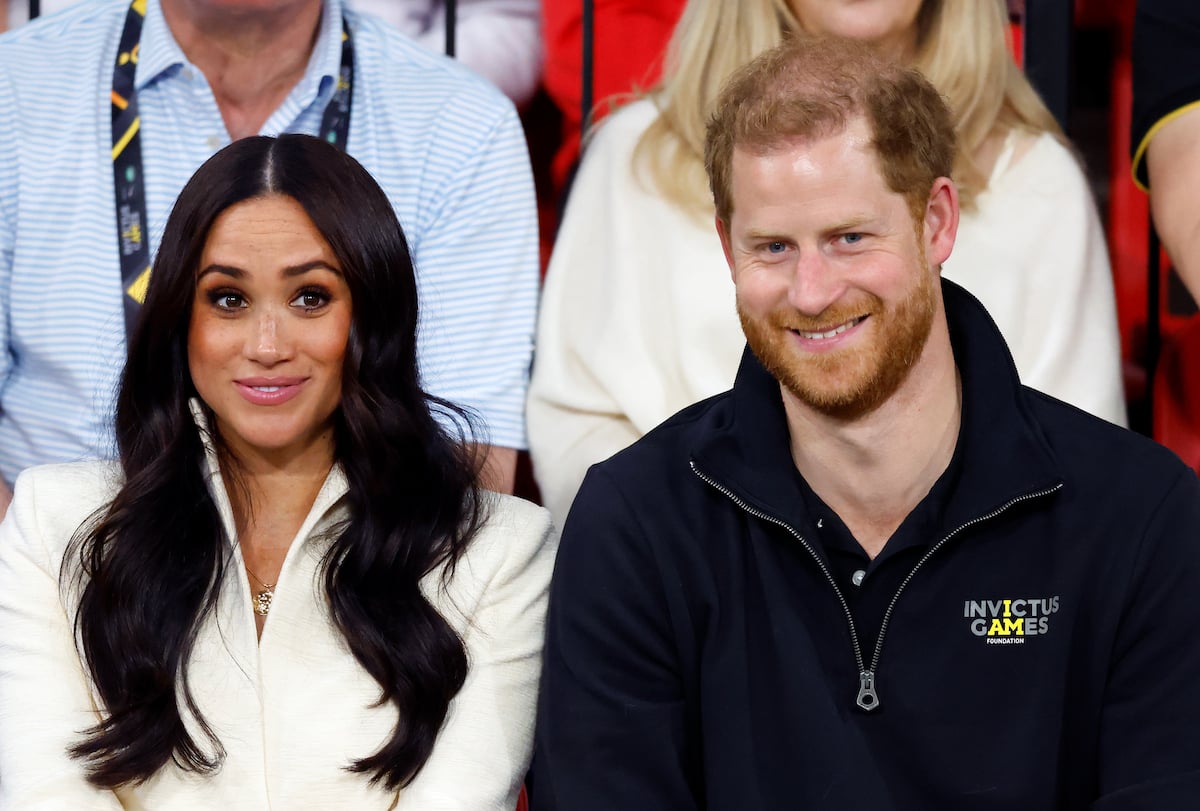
<point x="815" y="284"/>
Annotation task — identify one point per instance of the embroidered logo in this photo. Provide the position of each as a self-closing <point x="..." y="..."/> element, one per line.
<point x="1010" y="622"/>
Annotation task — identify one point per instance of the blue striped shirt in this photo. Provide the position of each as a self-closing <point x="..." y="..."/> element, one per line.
<point x="444" y="144"/>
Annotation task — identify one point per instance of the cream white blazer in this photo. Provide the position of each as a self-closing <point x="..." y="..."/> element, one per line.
<point x="291" y="710"/>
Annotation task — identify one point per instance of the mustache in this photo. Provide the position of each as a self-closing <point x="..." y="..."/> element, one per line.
<point x="830" y="318"/>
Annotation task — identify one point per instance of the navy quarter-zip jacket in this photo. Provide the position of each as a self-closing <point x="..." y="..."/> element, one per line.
<point x="1035" y="646"/>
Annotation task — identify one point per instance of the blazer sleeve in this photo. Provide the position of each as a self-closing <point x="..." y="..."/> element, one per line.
<point x="1149" y="746"/>
<point x="612" y="728"/>
<point x="482" y="752"/>
<point x="45" y="700"/>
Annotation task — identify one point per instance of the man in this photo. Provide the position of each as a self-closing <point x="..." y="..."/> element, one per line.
<point x="1166" y="126"/>
<point x="498" y="39"/>
<point x="878" y="573"/>
<point x="445" y="145"/>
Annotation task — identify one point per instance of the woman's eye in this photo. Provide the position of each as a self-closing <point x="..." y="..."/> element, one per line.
<point x="310" y="299"/>
<point x="224" y="300"/>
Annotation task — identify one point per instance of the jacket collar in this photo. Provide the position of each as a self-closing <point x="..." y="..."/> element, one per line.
<point x="328" y="497"/>
<point x="745" y="446"/>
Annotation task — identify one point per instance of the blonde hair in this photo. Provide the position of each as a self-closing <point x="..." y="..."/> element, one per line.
<point x="962" y="48"/>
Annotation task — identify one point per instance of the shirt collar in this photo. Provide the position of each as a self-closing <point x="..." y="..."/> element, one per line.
<point x="1002" y="450"/>
<point x="158" y="52"/>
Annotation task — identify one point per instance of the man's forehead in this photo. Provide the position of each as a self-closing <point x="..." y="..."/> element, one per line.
<point x="854" y="132"/>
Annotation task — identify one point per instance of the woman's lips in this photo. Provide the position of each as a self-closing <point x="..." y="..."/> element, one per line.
<point x="269" y="391"/>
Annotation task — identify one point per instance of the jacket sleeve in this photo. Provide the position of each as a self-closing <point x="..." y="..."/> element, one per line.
<point x="482" y="751"/>
<point x="611" y="718"/>
<point x="1149" y="745"/>
<point x="44" y="697"/>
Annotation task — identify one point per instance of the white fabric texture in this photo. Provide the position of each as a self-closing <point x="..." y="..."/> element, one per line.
<point x="291" y="710"/>
<point x="638" y="318"/>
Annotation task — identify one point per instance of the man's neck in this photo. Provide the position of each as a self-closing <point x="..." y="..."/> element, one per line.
<point x="874" y="470"/>
<point x="251" y="57"/>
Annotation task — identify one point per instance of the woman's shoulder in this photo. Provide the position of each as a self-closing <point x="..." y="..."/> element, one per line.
<point x="511" y="553"/>
<point x="514" y="520"/>
<point x="70" y="485"/>
<point x="621" y="129"/>
<point x="1038" y="160"/>
<point x="515" y="533"/>
<point x="51" y="502"/>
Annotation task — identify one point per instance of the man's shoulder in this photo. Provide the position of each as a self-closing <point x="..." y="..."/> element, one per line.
<point x="1105" y="460"/>
<point x="67" y="34"/>
<point x="665" y="453"/>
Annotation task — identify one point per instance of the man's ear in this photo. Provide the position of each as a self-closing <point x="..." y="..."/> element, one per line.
<point x="723" y="233"/>
<point x="941" y="221"/>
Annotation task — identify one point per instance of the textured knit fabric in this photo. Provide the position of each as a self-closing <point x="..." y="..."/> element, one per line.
<point x="445" y="146"/>
<point x="638" y="317"/>
<point x="291" y="710"/>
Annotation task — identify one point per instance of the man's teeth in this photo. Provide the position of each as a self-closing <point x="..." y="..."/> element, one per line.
<point x="815" y="336"/>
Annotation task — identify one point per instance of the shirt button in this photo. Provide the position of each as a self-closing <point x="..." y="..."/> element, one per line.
<point x="858" y="577"/>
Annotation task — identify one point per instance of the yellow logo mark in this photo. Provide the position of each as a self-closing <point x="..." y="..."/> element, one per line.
<point x="1007" y="627"/>
<point x="133" y="233"/>
<point x="137" y="290"/>
<point x="129" y="56"/>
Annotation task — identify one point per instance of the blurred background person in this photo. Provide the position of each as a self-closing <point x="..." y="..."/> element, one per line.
<point x="637" y="317"/>
<point x="290" y="591"/>
<point x="498" y="39"/>
<point x="1166" y="126"/>
<point x="628" y="41"/>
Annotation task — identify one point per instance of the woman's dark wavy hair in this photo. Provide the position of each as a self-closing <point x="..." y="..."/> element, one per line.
<point x="151" y="563"/>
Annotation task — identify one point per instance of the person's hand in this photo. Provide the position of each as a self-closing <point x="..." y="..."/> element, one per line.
<point x="5" y="498"/>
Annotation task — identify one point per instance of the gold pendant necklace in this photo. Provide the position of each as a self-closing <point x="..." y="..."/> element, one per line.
<point x="262" y="599"/>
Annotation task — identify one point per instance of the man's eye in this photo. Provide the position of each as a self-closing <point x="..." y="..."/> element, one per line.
<point x="776" y="247"/>
<point x="852" y="238"/>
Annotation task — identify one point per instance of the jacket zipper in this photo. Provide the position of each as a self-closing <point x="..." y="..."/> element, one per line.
<point x="868" y="698"/>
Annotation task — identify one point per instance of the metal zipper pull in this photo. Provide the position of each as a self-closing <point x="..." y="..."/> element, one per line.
<point x="867" y="698"/>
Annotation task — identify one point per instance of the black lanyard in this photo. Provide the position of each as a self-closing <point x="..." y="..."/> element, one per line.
<point x="132" y="239"/>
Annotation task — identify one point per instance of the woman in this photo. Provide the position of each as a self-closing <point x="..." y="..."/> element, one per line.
<point x="637" y="317"/>
<point x="288" y="592"/>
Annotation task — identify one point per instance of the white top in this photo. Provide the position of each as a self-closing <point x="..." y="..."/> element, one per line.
<point x="291" y="710"/>
<point x="638" y="318"/>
